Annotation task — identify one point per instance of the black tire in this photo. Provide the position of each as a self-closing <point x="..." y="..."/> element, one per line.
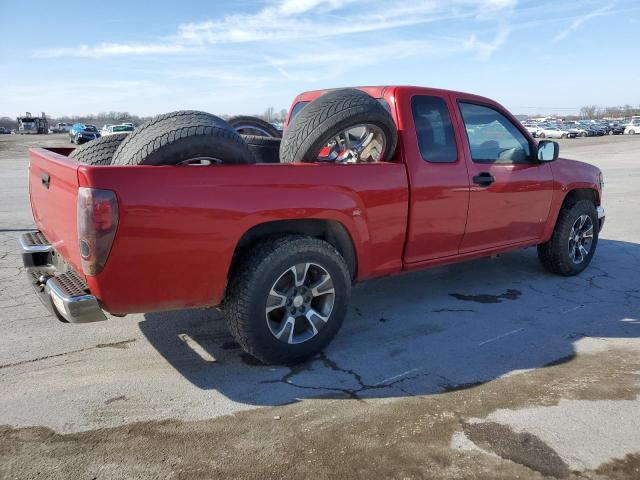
<point x="541" y="135"/>
<point x="248" y="125"/>
<point x="583" y="134"/>
<point x="564" y="135"/>
<point x="248" y="292"/>
<point x="632" y="132"/>
<point x="330" y="114"/>
<point x="264" y="149"/>
<point x="554" y="254"/>
<point x="181" y="136"/>
<point x="99" y="151"/>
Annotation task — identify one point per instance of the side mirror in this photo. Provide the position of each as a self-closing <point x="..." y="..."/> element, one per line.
<point x="548" y="151"/>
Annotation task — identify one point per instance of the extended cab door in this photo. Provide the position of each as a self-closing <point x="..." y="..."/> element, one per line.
<point x="511" y="191"/>
<point x="439" y="184"/>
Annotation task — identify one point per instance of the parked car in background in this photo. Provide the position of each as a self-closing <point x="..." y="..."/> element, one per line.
<point x="81" y="133"/>
<point x="4" y="131"/>
<point x="579" y="130"/>
<point x="616" y="129"/>
<point x="60" y="127"/>
<point x="113" y="129"/>
<point x="532" y="128"/>
<point x="593" y="127"/>
<point x="632" y="128"/>
<point x="553" y="131"/>
<point x="105" y="128"/>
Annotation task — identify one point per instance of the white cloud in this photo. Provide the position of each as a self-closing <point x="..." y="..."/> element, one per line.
<point x="578" y="21"/>
<point x="483" y="49"/>
<point x="285" y="22"/>
<point x="290" y="20"/>
<point x="111" y="49"/>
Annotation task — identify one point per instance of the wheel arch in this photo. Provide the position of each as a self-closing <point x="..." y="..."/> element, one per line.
<point x="332" y="231"/>
<point x="570" y="198"/>
<point x="574" y="195"/>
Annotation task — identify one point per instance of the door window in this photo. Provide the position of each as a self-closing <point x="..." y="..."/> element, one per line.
<point x="433" y="129"/>
<point x="492" y="136"/>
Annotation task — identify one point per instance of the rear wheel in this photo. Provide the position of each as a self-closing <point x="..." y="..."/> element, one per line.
<point x="632" y="132"/>
<point x="288" y="299"/>
<point x="574" y="240"/>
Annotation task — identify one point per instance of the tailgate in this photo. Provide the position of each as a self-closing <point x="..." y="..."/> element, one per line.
<point x="53" y="189"/>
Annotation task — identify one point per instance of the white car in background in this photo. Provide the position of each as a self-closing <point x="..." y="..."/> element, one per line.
<point x="113" y="129"/>
<point x="552" y="132"/>
<point x="532" y="128"/>
<point x="633" y="128"/>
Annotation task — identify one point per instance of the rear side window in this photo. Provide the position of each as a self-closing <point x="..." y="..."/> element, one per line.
<point x="492" y="136"/>
<point x="433" y="129"/>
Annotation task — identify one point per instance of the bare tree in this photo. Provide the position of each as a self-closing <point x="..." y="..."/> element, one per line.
<point x="8" y="122"/>
<point x="270" y="114"/>
<point x="589" y="111"/>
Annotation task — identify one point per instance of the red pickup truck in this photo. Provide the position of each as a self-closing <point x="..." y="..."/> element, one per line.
<point x="278" y="246"/>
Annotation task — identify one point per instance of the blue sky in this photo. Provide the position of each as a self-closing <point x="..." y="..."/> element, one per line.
<point x="242" y="56"/>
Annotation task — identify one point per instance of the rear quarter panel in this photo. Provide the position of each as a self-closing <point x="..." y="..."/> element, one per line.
<point x="179" y="225"/>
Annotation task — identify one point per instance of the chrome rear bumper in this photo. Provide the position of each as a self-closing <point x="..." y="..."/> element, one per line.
<point x="63" y="293"/>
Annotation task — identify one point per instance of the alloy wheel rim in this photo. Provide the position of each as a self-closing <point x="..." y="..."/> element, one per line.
<point x="580" y="239"/>
<point x="358" y="143"/>
<point x="300" y="303"/>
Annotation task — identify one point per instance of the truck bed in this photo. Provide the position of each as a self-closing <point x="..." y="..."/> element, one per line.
<point x="179" y="225"/>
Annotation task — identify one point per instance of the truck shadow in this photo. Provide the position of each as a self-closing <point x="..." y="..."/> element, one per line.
<point x="426" y="332"/>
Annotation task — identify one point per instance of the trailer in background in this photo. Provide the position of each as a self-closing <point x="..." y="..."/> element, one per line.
<point x="32" y="125"/>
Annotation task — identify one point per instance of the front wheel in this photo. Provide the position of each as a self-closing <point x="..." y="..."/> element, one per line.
<point x="288" y="298"/>
<point x="541" y="135"/>
<point x="574" y="240"/>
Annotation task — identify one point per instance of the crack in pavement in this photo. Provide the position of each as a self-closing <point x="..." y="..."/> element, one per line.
<point x="122" y="344"/>
<point x="353" y="393"/>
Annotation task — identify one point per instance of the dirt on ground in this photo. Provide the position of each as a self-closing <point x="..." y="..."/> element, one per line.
<point x="348" y="438"/>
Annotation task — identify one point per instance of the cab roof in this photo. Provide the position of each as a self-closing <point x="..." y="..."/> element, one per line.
<point x="379" y="91"/>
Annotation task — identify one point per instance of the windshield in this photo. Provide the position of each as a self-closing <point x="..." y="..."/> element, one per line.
<point x="90" y="128"/>
<point x="123" y="128"/>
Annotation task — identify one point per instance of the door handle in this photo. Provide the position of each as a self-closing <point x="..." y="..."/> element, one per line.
<point x="484" y="179"/>
<point x="45" y="180"/>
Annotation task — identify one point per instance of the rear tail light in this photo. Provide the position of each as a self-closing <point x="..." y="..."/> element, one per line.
<point x="97" y="223"/>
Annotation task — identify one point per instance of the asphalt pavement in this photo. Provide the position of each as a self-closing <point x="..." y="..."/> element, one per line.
<point x="487" y="369"/>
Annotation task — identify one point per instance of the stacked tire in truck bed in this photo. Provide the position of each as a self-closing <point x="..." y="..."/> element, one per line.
<point x="189" y="136"/>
